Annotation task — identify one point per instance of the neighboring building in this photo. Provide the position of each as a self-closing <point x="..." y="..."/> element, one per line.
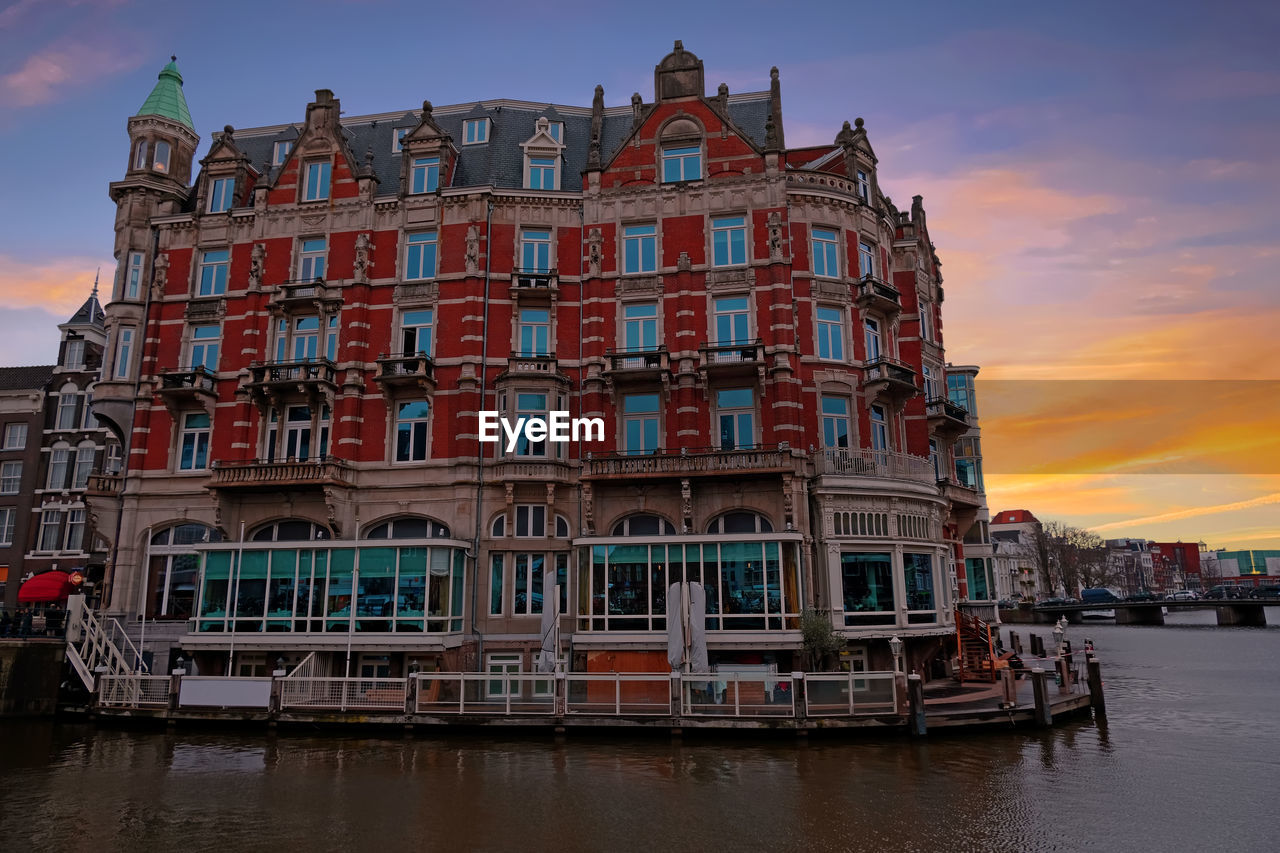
<point x="1130" y="564"/>
<point x="297" y="376"/>
<point x="977" y="583"/>
<point x="1242" y="568"/>
<point x="22" y="395"/>
<point x="1175" y="565"/>
<point x="1015" y="535"/>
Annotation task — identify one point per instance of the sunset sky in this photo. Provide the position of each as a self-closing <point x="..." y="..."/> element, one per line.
<point x="1101" y="182"/>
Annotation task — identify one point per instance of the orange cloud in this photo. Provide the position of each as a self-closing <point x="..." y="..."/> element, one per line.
<point x="1264" y="500"/>
<point x="46" y="76"/>
<point x="59" y="285"/>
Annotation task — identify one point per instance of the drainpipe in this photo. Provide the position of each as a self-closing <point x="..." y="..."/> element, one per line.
<point x="484" y="357"/>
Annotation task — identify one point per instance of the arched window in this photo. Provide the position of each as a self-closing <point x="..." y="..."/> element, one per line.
<point x="59" y="463"/>
<point x="562" y="527"/>
<point x="408" y="527"/>
<point x="289" y="530"/>
<point x="161" y="163"/>
<point x="681" y="150"/>
<point x="174" y="569"/>
<point x="85" y="453"/>
<point x="499" y="527"/>
<point x="68" y="398"/>
<point x="643" y="524"/>
<point x="740" y="521"/>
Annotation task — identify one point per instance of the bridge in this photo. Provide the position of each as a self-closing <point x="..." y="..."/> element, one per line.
<point x="1244" y="612"/>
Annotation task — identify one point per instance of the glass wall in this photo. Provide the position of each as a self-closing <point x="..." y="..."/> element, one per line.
<point x="871" y="597"/>
<point x="922" y="606"/>
<point x="749" y="586"/>
<point x="978" y="574"/>
<point x="401" y="589"/>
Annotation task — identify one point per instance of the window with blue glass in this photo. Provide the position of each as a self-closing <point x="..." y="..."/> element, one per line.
<point x="530" y="406"/>
<point x="826" y="252"/>
<point x="280" y="152"/>
<point x="640" y="423"/>
<point x="640" y="326"/>
<point x="397" y="139"/>
<point x="866" y="259"/>
<point x="535" y="250"/>
<point x="681" y="164"/>
<point x="639" y="248"/>
<point x="420" y="256"/>
<point x="830" y="333"/>
<point x="732" y="321"/>
<point x="534" y="332"/>
<point x="424" y="177"/>
<point x="871" y="333"/>
<point x="204" y="347"/>
<point x="475" y="130"/>
<point x="412" y="430"/>
<point x="316" y="185"/>
<point x="311" y="259"/>
<point x="960" y="391"/>
<point x="729" y="241"/>
<point x="415" y="331"/>
<point x="213" y="272"/>
<point x="977" y="571"/>
<point x="918" y="568"/>
<point x="542" y="173"/>
<point x="879" y="428"/>
<point x="194" y="442"/>
<point x="221" y="194"/>
<point x="835" y="422"/>
<point x="736" y="411"/>
<point x="867" y="586"/>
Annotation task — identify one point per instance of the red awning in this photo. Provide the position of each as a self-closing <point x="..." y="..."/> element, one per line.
<point x="46" y="587"/>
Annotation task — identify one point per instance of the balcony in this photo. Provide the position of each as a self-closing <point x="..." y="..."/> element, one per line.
<point x="734" y="358"/>
<point x="406" y="371"/>
<point x="963" y="496"/>
<point x="180" y="388"/>
<point x="532" y="365"/>
<point x="637" y="365"/>
<point x="881" y="464"/>
<point x="890" y="380"/>
<point x="272" y="476"/>
<point x="104" y="485"/>
<point x="946" y="418"/>
<point x="704" y="462"/>
<point x="303" y="294"/>
<point x="277" y="380"/>
<point x="531" y="470"/>
<point x="877" y="296"/>
<point x="534" y="281"/>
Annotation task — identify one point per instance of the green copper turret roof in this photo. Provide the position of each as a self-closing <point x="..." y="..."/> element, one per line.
<point x="166" y="98"/>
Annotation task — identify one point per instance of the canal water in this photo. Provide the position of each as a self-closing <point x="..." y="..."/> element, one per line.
<point x="1188" y="759"/>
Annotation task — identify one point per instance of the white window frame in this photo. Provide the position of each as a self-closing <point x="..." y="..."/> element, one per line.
<point x="428" y="169"/>
<point x="736" y="413"/>
<point x="213" y="273"/>
<point x="866" y="259"/>
<point x="475" y="131"/>
<point x="313" y="258"/>
<point x="719" y="312"/>
<point x="836" y="419"/>
<point x="830" y="333"/>
<point x="280" y="151"/>
<point x="140" y="154"/>
<point x="926" y="321"/>
<point x="124" y="349"/>
<point x="68" y="406"/>
<point x="8" y="518"/>
<point x="397" y="138"/>
<point x="639" y="235"/>
<point x="420" y="241"/>
<point x="417" y="325"/>
<point x="818" y="236"/>
<point x="636" y="328"/>
<point x="524" y="519"/>
<point x="536" y="249"/>
<point x="195" y="433"/>
<point x="503" y="664"/>
<point x="640" y="419"/>
<point x="872" y="333"/>
<point x="15" y="436"/>
<point x="59" y="467"/>
<point x="317" y="183"/>
<point x="222" y="192"/>
<point x="51" y="528"/>
<point x="544" y="166"/>
<point x="413" y="424"/>
<point x="729" y="226"/>
<point x="524" y="446"/>
<point x="133" y="276"/>
<point x="73" y="531"/>
<point x="73" y="353"/>
<point x="681" y="153"/>
<point x="536" y="348"/>
<point x="10" y="477"/>
<point x="198" y="347"/>
<point x="862" y="186"/>
<point x="86" y="453"/>
<point x="164" y="152"/>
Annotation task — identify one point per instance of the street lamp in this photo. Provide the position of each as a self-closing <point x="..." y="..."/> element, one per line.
<point x="1059" y="631"/>
<point x="895" y="647"/>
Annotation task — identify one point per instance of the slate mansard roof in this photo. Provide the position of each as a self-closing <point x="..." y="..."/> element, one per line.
<point x="500" y="161"/>
<point x="25" y="378"/>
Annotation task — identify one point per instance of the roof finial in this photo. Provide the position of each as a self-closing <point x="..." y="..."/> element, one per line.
<point x="173" y="57"/>
<point x="95" y="282"/>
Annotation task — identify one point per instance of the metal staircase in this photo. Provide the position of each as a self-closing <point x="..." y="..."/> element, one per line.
<point x="975" y="648"/>
<point x="94" y="643"/>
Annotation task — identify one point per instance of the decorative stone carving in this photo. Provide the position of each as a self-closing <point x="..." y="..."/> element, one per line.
<point x="511" y="494"/>
<point x="775" y="236"/>
<point x="588" y="510"/>
<point x="161" y="274"/>
<point x="551" y="493"/>
<point x="257" y="263"/>
<point x="686" y="504"/>
<point x="362" y="262"/>
<point x="683" y="264"/>
<point x="473" y="250"/>
<point x="594" y="250"/>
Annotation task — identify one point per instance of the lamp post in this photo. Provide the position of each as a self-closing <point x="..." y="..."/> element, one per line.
<point x="895" y="647"/>
<point x="1059" y="631"/>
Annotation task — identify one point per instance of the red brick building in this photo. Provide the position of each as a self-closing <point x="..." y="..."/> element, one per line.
<point x="309" y="320"/>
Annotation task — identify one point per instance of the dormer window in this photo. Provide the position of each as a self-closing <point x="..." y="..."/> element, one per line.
<point x="425" y="175"/>
<point x="221" y="193"/>
<point x="862" y="186"/>
<point x="542" y="157"/>
<point x="73" y="354"/>
<point x="475" y="131"/>
<point x="556" y="129"/>
<point x="280" y="152"/>
<point x="316" y="186"/>
<point x="397" y="139"/>
<point x="161" y="163"/>
<point x="683" y="163"/>
<point x="542" y="173"/>
<point x="140" y="155"/>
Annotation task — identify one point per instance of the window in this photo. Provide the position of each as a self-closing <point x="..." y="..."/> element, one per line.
<point x="90" y="420"/>
<point x="968" y="453"/>
<point x="528" y="406"/>
<point x="867" y="585"/>
<point x="306" y="339"/>
<point x="420" y="256"/>
<point x="643" y="524"/>
<point x="408" y="527"/>
<point x="831" y="333"/>
<point x="729" y="241"/>
<point x="826" y="253"/>
<point x="59" y="459"/>
<point x="193" y="443"/>
<point x="213" y="272"/>
<point x="424" y="177"/>
<point x="124" y="344"/>
<point x="879" y="429"/>
<point x="497" y="583"/>
<point x="535" y="251"/>
<point x="68" y="407"/>
<point x="499" y="527"/>
<point x="50" y="530"/>
<point x="556" y="130"/>
<point x="85" y="453"/>
<point x="862" y="186"/>
<point x="140" y="155"/>
<point x="871" y="329"/>
<point x="475" y="131"/>
<point x="935" y="459"/>
<point x="75" y="530"/>
<point x="562" y="531"/>
<point x="960" y="391"/>
<point x="977" y="571"/>
<point x="298" y="434"/>
<point x="918" y="569"/>
<point x="15" y="436"/>
<point x="10" y="477"/>
<point x="174" y="569"/>
<point x="640" y="326"/>
<point x="527" y="598"/>
<point x="534" y="331"/>
<point x="221" y="196"/>
<point x="316" y="186"/>
<point x="736" y="410"/>
<point x="500" y="665"/>
<point x="162" y="156"/>
<point x="732" y="322"/>
<point x="639" y="248"/>
<point x="542" y="173"/>
<point x="640" y="423"/>
<point x="73" y="353"/>
<point x="311" y="259"/>
<point x="204" y="347"/>
<point x="926" y="321"/>
<point x="280" y="152"/>
<point x="412" y="419"/>
<point x="866" y="259"/>
<point x="740" y="522"/>
<point x="133" y="276"/>
<point x="930" y="377"/>
<point x="115" y="459"/>
<point x="397" y="139"/>
<point x="835" y="422"/>
<point x="6" y="525"/>
<point x="415" y="332"/>
<point x="531" y="520"/>
<point x="681" y="164"/>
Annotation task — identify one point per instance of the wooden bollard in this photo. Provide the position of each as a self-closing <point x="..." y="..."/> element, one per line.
<point x="915" y="705"/>
<point x="1064" y="675"/>
<point x="1008" y="687"/>
<point x="1096" y="699"/>
<point x="1040" y="689"/>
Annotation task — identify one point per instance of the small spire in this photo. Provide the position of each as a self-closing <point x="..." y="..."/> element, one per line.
<point x="95" y="282"/>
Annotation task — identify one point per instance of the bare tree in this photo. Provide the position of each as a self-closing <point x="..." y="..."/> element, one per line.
<point x="1072" y="557"/>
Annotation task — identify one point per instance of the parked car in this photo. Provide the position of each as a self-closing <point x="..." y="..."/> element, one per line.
<point x="1267" y="591"/>
<point x="1141" y="595"/>
<point x="1182" y="595"/>
<point x="1223" y="591"/>
<point x="1098" y="595"/>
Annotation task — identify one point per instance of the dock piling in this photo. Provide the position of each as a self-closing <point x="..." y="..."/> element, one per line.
<point x="1040" y="689"/>
<point x="1096" y="699"/>
<point x="915" y="704"/>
